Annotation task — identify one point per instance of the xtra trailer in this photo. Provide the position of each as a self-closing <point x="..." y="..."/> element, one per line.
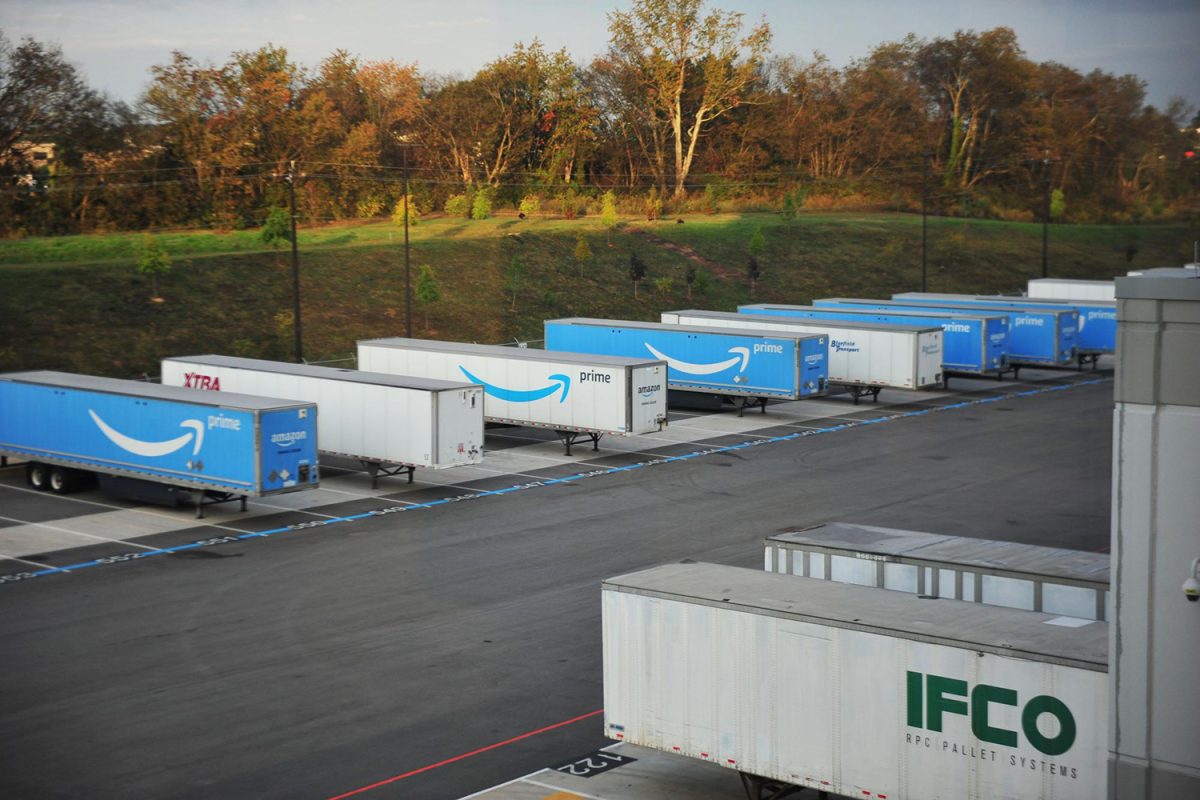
<point x="748" y="367"/>
<point x="578" y="395"/>
<point x="852" y="690"/>
<point x="1035" y="337"/>
<point x="1097" y="333"/>
<point x="1030" y="577"/>
<point x="972" y="344"/>
<point x="155" y="443"/>
<point x="390" y="424"/>
<point x="864" y="357"/>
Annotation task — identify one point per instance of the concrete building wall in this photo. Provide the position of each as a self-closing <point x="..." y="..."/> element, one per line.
<point x="1154" y="651"/>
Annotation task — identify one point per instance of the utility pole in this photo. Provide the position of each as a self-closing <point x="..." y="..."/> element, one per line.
<point x="925" y="222"/>
<point x="291" y="181"/>
<point x="1045" y="213"/>
<point x="407" y="267"/>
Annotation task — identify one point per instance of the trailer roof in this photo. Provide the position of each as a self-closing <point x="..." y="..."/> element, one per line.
<point x="983" y="555"/>
<point x="624" y="323"/>
<point x="326" y="373"/>
<point x="1007" y="299"/>
<point x="832" y="323"/>
<point x="504" y="351"/>
<point x="93" y="383"/>
<point x="1027" y="635"/>
<point x="907" y="312"/>
<point x="917" y="301"/>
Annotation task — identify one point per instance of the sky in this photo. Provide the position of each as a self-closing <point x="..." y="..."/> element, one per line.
<point x="114" y="43"/>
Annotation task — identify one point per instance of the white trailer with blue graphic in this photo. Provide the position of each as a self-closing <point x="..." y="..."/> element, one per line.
<point x="155" y="443"/>
<point x="852" y="690"/>
<point x="864" y="357"/>
<point x="749" y="367"/>
<point x="579" y="396"/>
<point x="390" y="424"/>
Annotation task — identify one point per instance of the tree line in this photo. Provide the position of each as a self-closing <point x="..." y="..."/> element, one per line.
<point x="688" y="109"/>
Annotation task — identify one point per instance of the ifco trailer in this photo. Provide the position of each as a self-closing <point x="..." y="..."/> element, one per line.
<point x="1097" y="332"/>
<point x="579" y="396"/>
<point x="388" y="423"/>
<point x="972" y="344"/>
<point x="865" y="357"/>
<point x="1069" y="582"/>
<point x="1064" y="289"/>
<point x="155" y="443"/>
<point x="747" y="366"/>
<point x="855" y="691"/>
<point x="1035" y="338"/>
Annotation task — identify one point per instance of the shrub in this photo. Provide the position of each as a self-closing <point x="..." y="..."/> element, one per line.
<point x="456" y="205"/>
<point x="481" y="207"/>
<point x="530" y="205"/>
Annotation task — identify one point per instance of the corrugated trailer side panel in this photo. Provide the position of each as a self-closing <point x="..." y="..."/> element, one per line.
<point x="846" y="710"/>
<point x="563" y="394"/>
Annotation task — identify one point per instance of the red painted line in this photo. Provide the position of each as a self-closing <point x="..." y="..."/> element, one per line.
<point x="462" y="756"/>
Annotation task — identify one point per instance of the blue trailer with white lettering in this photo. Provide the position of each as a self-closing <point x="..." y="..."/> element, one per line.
<point x="1097" y="334"/>
<point x="972" y="344"/>
<point x="155" y="443"/>
<point x="747" y="367"/>
<point x="1036" y="337"/>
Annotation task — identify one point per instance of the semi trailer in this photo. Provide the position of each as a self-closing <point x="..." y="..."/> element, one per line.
<point x="747" y="367"/>
<point x="864" y="357"/>
<point x="390" y="424"/>
<point x="155" y="443"/>
<point x="581" y="396"/>
<point x="852" y="690"/>
<point x="1066" y="289"/>
<point x="972" y="344"/>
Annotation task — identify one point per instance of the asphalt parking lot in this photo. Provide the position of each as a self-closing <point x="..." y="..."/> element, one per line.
<point x="435" y="639"/>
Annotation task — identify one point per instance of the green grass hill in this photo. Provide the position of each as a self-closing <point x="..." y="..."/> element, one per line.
<point x="79" y="304"/>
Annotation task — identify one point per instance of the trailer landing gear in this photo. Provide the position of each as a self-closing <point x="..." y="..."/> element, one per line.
<point x="376" y="469"/>
<point x="743" y="403"/>
<point x="758" y="788"/>
<point x="862" y="391"/>
<point x="569" y="438"/>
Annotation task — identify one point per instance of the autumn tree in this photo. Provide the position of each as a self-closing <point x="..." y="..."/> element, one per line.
<point x="608" y="214"/>
<point x="583" y="253"/>
<point x="688" y="64"/>
<point x="426" y="291"/>
<point x="153" y="261"/>
<point x="637" y="272"/>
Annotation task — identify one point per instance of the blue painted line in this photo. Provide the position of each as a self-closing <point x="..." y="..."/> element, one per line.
<point x="137" y="556"/>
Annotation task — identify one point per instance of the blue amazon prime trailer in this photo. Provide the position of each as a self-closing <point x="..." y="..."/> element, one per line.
<point x="749" y="367"/>
<point x="1097" y="334"/>
<point x="972" y="344"/>
<point x="155" y="443"/>
<point x="1042" y="337"/>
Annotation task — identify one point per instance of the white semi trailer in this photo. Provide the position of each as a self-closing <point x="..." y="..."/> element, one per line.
<point x="1025" y="576"/>
<point x="1068" y="289"/>
<point x="852" y="690"/>
<point x="578" y="395"/>
<point x="388" y="423"/>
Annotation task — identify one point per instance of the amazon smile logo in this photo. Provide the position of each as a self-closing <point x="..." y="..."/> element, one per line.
<point x="558" y="382"/>
<point x="153" y="449"/>
<point x="741" y="354"/>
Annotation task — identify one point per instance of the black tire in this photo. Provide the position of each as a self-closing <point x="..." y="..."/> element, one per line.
<point x="37" y="475"/>
<point x="62" y="480"/>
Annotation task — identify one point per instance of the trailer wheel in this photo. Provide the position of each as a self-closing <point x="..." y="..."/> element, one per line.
<point x="37" y="475"/>
<point x="62" y="480"/>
